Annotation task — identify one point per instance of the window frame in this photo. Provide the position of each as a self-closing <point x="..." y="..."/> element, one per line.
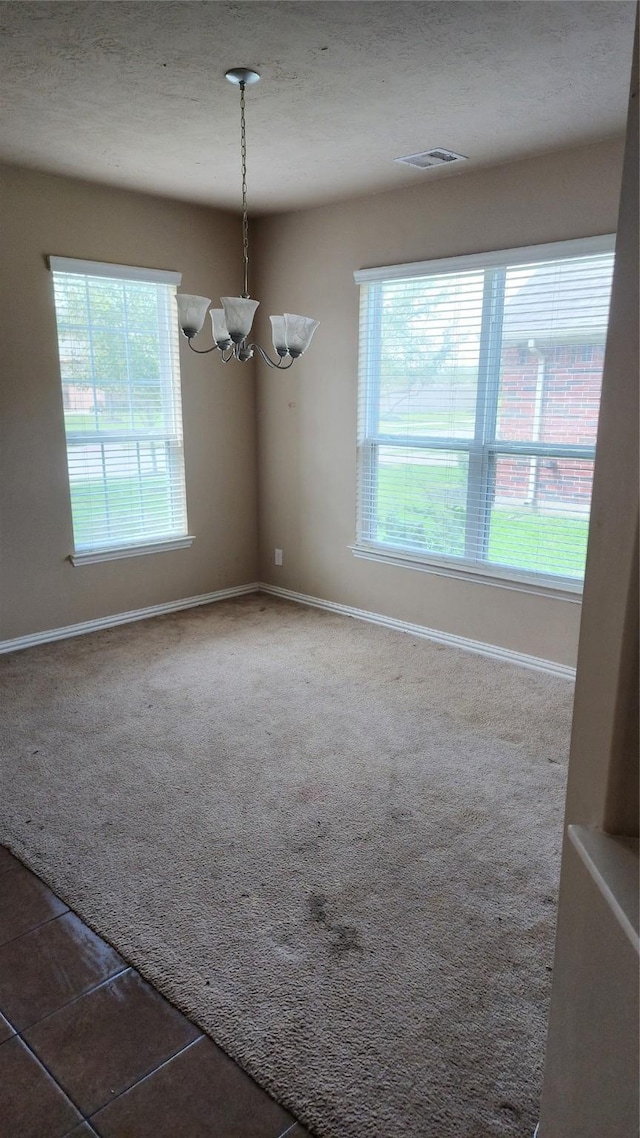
<point x="86" y="553"/>
<point x="483" y="448"/>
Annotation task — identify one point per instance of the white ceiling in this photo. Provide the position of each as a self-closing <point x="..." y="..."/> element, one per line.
<point x="133" y="94"/>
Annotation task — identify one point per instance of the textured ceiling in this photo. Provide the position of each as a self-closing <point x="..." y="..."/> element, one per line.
<point x="133" y="94"/>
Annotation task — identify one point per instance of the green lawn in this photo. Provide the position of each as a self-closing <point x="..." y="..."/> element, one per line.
<point x="81" y="421"/>
<point x="428" y="423"/>
<point x="110" y="512"/>
<point x="433" y="519"/>
<point x="532" y="541"/>
<point x="86" y="421"/>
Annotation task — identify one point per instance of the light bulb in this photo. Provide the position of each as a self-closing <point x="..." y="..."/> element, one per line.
<point x="298" y="333"/>
<point x="238" y="313"/>
<point x="278" y="334"/>
<point x="220" y="331"/>
<point x="191" y="312"/>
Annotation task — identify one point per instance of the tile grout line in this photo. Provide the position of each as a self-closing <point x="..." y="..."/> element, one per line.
<point x="55" y="1081"/>
<point x="49" y="920"/>
<point x="75" y="999"/>
<point x="19" y="1034"/>
<point x="147" y="1075"/>
<point x="143" y="1079"/>
<point x="165" y="1063"/>
<point x="10" y="1022"/>
<point x="87" y="922"/>
<point x="127" y="967"/>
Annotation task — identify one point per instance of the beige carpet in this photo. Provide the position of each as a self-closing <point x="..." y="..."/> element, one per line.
<point x="336" y="847"/>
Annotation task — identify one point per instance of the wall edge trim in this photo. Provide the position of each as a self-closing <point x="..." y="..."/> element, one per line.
<point x="614" y="869"/>
<point x="494" y="651"/>
<point x="479" y="647"/>
<point x="71" y="630"/>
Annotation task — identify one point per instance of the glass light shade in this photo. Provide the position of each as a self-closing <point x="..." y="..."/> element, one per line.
<point x="298" y="332"/>
<point x="191" y="312"/>
<point x="220" y="331"/>
<point x="238" y="313"/>
<point x="278" y="334"/>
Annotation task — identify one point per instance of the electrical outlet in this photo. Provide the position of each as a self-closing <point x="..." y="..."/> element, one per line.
<point x="278" y="557"/>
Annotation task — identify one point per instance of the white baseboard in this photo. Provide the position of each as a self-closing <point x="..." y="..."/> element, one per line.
<point x="492" y="650"/>
<point x="124" y="618"/>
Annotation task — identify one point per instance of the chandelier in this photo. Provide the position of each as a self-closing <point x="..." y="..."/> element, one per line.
<point x="232" y="323"/>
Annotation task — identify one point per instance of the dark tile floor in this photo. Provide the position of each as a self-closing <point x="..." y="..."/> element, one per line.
<point x="88" y="1048"/>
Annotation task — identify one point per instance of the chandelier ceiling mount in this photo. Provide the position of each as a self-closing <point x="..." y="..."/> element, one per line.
<point x="231" y="324"/>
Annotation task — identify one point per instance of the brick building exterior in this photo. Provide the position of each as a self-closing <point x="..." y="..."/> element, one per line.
<point x="550" y="393"/>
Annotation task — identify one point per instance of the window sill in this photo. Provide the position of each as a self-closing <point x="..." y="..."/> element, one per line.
<point x="464" y="572"/>
<point x="115" y="552"/>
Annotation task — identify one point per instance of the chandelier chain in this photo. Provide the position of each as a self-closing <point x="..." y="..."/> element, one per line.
<point x="245" y="218"/>
<point x="232" y="325"/>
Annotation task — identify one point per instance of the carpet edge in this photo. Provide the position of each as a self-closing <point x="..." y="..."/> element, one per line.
<point x="71" y="630"/>
<point x="493" y="651"/>
<point x="479" y="647"/>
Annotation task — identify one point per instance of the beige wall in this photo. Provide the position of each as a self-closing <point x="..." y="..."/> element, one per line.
<point x="591" y="1073"/>
<point x="40" y="589"/>
<point x="591" y="1070"/>
<point x="307" y="417"/>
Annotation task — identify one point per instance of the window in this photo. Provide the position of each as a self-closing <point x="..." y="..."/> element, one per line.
<point x="479" y="391"/>
<point x="118" y="349"/>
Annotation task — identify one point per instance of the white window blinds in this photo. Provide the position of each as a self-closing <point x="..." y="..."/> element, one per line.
<point x="118" y="349"/>
<point x="479" y="392"/>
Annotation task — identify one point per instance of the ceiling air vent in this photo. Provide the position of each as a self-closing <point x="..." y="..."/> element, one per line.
<point x="437" y="157"/>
